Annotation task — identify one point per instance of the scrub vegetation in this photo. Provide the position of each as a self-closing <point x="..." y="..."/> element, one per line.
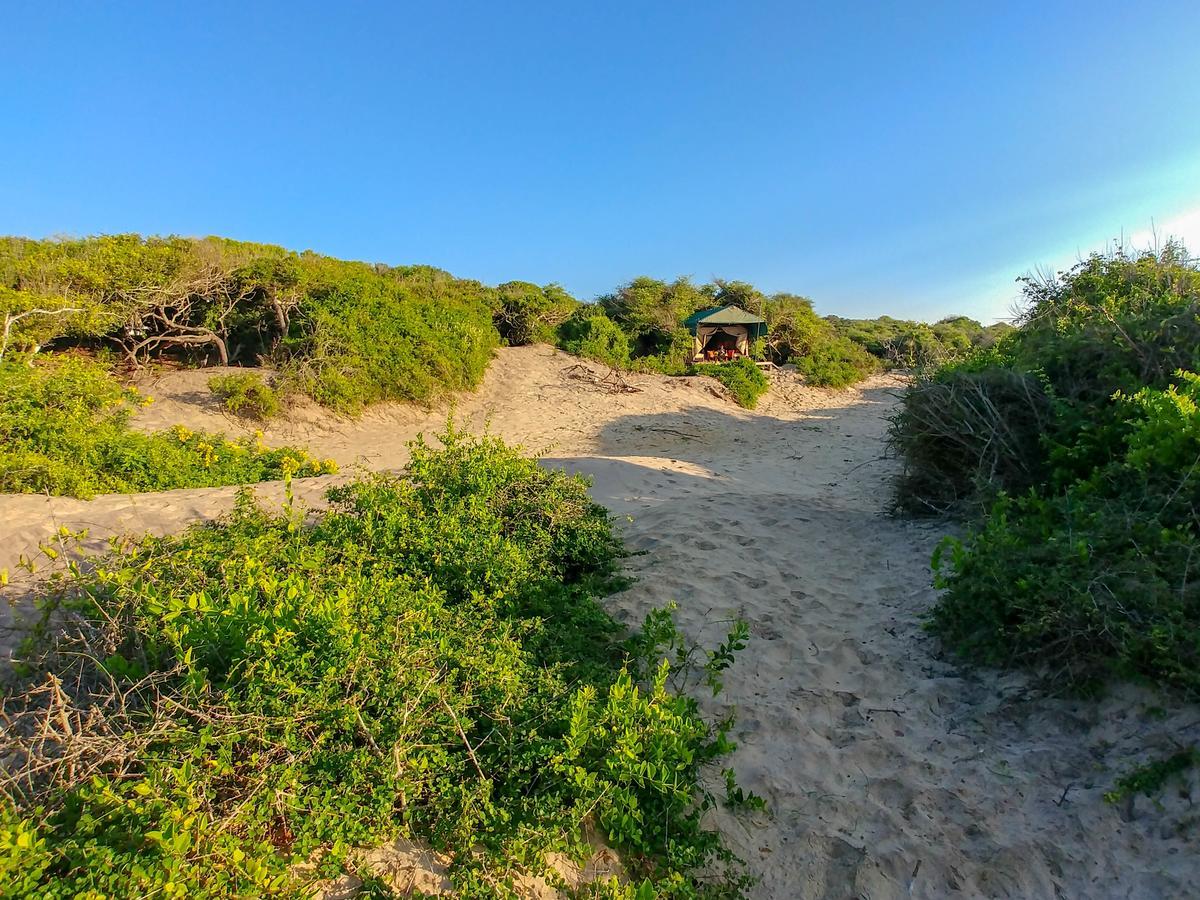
<point x="902" y="344"/>
<point x="1074" y="445"/>
<point x="64" y="429"/>
<point x="349" y="334"/>
<point x="651" y="313"/>
<point x="246" y="394"/>
<point x="426" y="659"/>
<point x="743" y="378"/>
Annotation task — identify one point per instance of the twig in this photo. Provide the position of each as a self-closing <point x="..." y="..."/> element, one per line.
<point x="462" y="734"/>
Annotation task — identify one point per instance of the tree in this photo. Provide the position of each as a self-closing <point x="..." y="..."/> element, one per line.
<point x="650" y="310"/>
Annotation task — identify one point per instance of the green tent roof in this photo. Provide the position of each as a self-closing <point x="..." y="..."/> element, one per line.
<point x="726" y="315"/>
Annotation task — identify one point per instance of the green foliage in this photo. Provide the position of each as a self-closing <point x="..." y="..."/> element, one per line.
<point x="526" y="314"/>
<point x="742" y="377"/>
<point x="1111" y="324"/>
<point x="591" y="334"/>
<point x="64" y="429"/>
<point x="969" y="430"/>
<point x="347" y="333"/>
<point x="916" y="345"/>
<point x="428" y="658"/>
<point x="836" y="363"/>
<point x="674" y="359"/>
<point x="245" y="393"/>
<point x="1151" y="778"/>
<point x="400" y="334"/>
<point x="794" y="330"/>
<point x="650" y="311"/>
<point x="29" y="320"/>
<point x="1086" y="566"/>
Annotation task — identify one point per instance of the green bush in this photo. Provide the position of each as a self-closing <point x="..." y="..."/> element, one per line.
<point x="651" y="311"/>
<point x="1086" y="564"/>
<point x="1100" y="579"/>
<point x="916" y="345"/>
<point x="245" y="393"/>
<point x="367" y="337"/>
<point x="64" y="429"/>
<point x="742" y="377"/>
<point x="966" y="433"/>
<point x="835" y="363"/>
<point x="347" y="333"/>
<point x="526" y="314"/>
<point x="426" y="659"/>
<point x="1034" y="408"/>
<point x="675" y="359"/>
<point x="592" y="335"/>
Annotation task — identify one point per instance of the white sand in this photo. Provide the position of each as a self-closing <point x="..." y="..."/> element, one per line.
<point x="888" y="771"/>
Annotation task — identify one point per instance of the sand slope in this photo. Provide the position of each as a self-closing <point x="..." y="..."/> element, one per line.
<point x="888" y="772"/>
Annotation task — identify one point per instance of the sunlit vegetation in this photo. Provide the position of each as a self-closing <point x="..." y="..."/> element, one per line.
<point x="346" y="333"/>
<point x="427" y="659"/>
<point x="1076" y="438"/>
<point x="64" y="429"/>
<point x="917" y="345"/>
<point x="744" y="380"/>
<point x="246" y="394"/>
<point x="349" y="334"/>
<point x="592" y="335"/>
<point x="652" y="313"/>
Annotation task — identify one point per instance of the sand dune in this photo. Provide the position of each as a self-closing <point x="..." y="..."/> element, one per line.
<point x="888" y="771"/>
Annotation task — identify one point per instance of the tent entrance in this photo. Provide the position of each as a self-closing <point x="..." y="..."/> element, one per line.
<point x="721" y="340"/>
<point x="720" y="345"/>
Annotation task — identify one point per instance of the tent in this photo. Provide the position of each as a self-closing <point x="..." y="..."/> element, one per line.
<point x="723" y="332"/>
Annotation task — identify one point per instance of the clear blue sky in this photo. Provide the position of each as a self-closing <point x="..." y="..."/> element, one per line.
<point x="906" y="158"/>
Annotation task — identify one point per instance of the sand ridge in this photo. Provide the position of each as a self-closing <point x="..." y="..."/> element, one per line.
<point x="888" y="771"/>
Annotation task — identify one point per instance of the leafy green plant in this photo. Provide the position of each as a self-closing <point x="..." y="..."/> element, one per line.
<point x="592" y="335"/>
<point x="1149" y="779"/>
<point x="742" y="377"/>
<point x="525" y="313"/>
<point x="428" y="658"/>
<point x="835" y="363"/>
<point x="64" y="429"/>
<point x="245" y="393"/>
<point x="347" y="333"/>
<point x="917" y="345"/>
<point x="1079" y="435"/>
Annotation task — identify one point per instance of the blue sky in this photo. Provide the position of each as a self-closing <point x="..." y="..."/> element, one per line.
<point x="909" y="159"/>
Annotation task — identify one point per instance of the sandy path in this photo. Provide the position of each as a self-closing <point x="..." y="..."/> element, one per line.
<point x="888" y="772"/>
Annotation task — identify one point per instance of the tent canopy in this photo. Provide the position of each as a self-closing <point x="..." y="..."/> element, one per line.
<point x="727" y="315"/>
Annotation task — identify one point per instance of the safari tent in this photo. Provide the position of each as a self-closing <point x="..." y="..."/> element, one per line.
<point x="723" y="332"/>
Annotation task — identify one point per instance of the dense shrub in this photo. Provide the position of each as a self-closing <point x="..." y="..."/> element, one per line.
<point x="835" y="363"/>
<point x="650" y="311"/>
<point x="916" y="345"/>
<point x="675" y="359"/>
<point x="591" y="334"/>
<point x="64" y="429"/>
<point x="1111" y="324"/>
<point x="967" y="432"/>
<point x="526" y="314"/>
<point x="742" y="377"/>
<point x="365" y="337"/>
<point x="246" y="394"/>
<point x="426" y="659"/>
<point x="347" y="333"/>
<point x="1083" y="426"/>
<point x="1101" y="578"/>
